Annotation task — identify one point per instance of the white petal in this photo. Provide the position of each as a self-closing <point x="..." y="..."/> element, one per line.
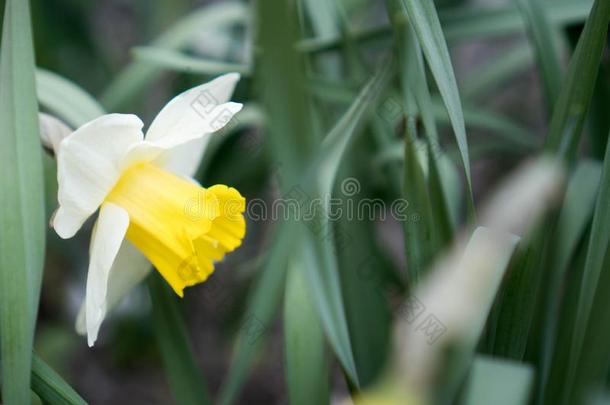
<point x="89" y="163"/>
<point x="106" y="240"/>
<point x="192" y="115"/>
<point x="52" y="131"/>
<point x="186" y="158"/>
<point x="129" y="269"/>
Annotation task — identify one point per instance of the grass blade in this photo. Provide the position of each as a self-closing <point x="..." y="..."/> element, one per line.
<point x="50" y="387"/>
<point x="262" y="303"/>
<point x="306" y="365"/>
<point x="595" y="271"/>
<point x="184" y="376"/>
<point x="498" y="381"/>
<point x="466" y="23"/>
<point x="491" y="75"/>
<point x="571" y="109"/>
<point x="422" y="16"/>
<point x="65" y="99"/>
<point x="454" y="302"/>
<point x="418" y="237"/>
<point x="135" y="76"/>
<point x="574" y="217"/>
<point x="433" y="230"/>
<point x="545" y="40"/>
<point x="322" y="271"/>
<point x="177" y="61"/>
<point x="22" y="214"/>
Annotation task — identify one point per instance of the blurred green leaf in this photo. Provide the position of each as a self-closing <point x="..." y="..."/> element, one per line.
<point x="520" y="293"/>
<point x="22" y="214"/>
<point x="365" y="274"/>
<point x="262" y="305"/>
<point x="502" y="127"/>
<point x="418" y="227"/>
<point x="498" y="381"/>
<point x="136" y="75"/>
<point x="50" y="387"/>
<point x="174" y="60"/>
<point x="571" y="109"/>
<point x="422" y="15"/>
<point x="491" y="75"/>
<point x="599" y="120"/>
<point x="587" y="330"/>
<point x="324" y="16"/>
<point x="66" y="99"/>
<point x="335" y="143"/>
<point x="306" y="365"/>
<point x="467" y="23"/>
<point x="433" y="228"/>
<point x="185" y="378"/>
<point x="574" y="217"/>
<point x="323" y="275"/>
<point x="473" y="21"/>
<point x="497" y="248"/>
<point x="545" y="40"/>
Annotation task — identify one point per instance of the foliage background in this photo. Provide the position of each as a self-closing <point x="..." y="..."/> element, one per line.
<point x="509" y="80"/>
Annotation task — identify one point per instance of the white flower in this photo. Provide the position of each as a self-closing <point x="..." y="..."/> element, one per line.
<point x="150" y="211"/>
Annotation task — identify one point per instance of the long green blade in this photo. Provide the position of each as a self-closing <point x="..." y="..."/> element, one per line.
<point x="66" y="99"/>
<point x="596" y="267"/>
<point x="424" y="19"/>
<point x="574" y="217"/>
<point x="467" y="23"/>
<point x="571" y="109"/>
<point x="135" y="76"/>
<point x="545" y="39"/>
<point x="21" y="203"/>
<point x="498" y="381"/>
<point x="185" y="378"/>
<point x="262" y="304"/>
<point x="50" y="387"/>
<point x="306" y="365"/>
<point x="178" y="61"/>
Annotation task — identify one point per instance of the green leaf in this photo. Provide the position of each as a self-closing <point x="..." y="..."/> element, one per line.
<point x="262" y="305"/>
<point x="574" y="217"/>
<point x="441" y="340"/>
<point x="422" y="16"/>
<point x="418" y="228"/>
<point x="322" y="271"/>
<point x="595" y="274"/>
<point x="177" y="61"/>
<point x="433" y="229"/>
<point x="66" y="99"/>
<point x="467" y="23"/>
<point x="50" y="387"/>
<point x="491" y="75"/>
<point x="498" y="381"/>
<point x="545" y="40"/>
<point x="22" y="215"/>
<point x="517" y="307"/>
<point x="501" y="127"/>
<point x="571" y="109"/>
<point x="185" y="378"/>
<point x="473" y="21"/>
<point x="365" y="273"/>
<point x="335" y="143"/>
<point x="137" y="75"/>
<point x="497" y="248"/>
<point x="324" y="16"/>
<point x="306" y="365"/>
<point x="599" y="120"/>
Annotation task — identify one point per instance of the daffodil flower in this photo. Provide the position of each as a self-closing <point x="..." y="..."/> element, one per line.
<point x="150" y="209"/>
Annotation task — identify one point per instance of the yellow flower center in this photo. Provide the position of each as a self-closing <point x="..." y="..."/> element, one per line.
<point x="180" y="227"/>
